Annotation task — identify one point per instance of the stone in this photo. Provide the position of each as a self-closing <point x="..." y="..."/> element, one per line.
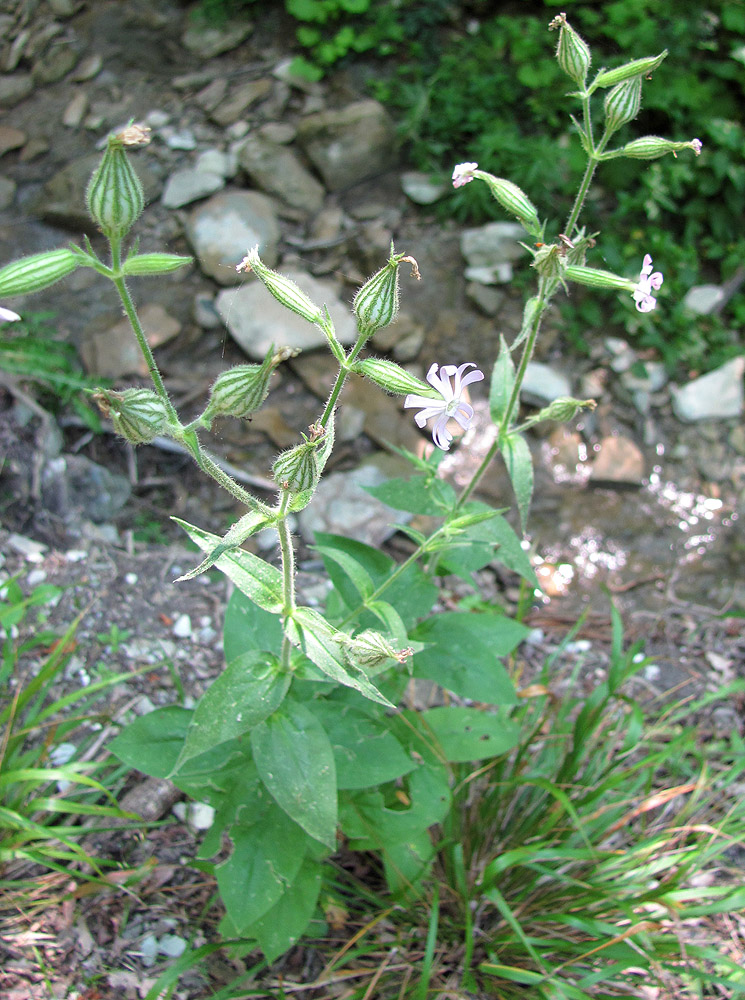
<point x="281" y="133"/>
<point x="75" y="110"/>
<point x="7" y="191"/>
<point x="544" y="384"/>
<point x="718" y="395"/>
<point x="204" y="312"/>
<point x="256" y="320"/>
<point x="15" y="88"/>
<point x="62" y="199"/>
<point x="487" y="298"/>
<point x="114" y="352"/>
<point x="210" y="96"/>
<point x="277" y="171"/>
<point x="489" y="251"/>
<point x="619" y="460"/>
<point x="10" y="138"/>
<point x="215" y="161"/>
<point x="349" y="145"/>
<point x="209" y="41"/>
<point x="87" y="69"/>
<point x="342" y="506"/>
<point x="229" y="110"/>
<point x="56" y="61"/>
<point x="74" y="487"/>
<point x="703" y="299"/>
<point x="422" y="189"/>
<point x="403" y="338"/>
<point x="654" y="379"/>
<point x="284" y="71"/>
<point x="224" y="228"/>
<point x="179" y="138"/>
<point x="186" y="186"/>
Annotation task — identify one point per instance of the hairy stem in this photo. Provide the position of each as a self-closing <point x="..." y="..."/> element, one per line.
<point x="288" y="573"/>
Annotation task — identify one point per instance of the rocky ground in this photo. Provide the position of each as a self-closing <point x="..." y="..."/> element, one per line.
<point x="644" y="495"/>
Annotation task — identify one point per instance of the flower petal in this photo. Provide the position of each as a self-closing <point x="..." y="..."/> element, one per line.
<point x="8" y="316"/>
<point x="441" y="435"/>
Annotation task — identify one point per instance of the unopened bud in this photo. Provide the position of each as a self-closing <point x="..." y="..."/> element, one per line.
<point x="622" y="104"/>
<point x="549" y="261"/>
<point x="564" y="408"/>
<point x="637" y="67"/>
<point x="240" y="391"/>
<point x="153" y="263"/>
<point x="572" y="53"/>
<point x="594" y="278"/>
<point x="513" y="198"/>
<point x="650" y="147"/>
<point x="298" y="469"/>
<point x="376" y="304"/>
<point x="393" y="378"/>
<point x="114" y="195"/>
<point x="283" y="289"/>
<point x="139" y="415"/>
<point x="31" y="274"/>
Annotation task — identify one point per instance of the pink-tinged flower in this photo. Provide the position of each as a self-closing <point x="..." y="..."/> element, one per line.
<point x="463" y="174"/>
<point x="451" y="406"/>
<point x="645" y="301"/>
<point x="696" y="146"/>
<point x="7" y="316"/>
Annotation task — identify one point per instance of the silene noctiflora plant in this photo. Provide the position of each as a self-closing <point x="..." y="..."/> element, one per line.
<point x="304" y="739"/>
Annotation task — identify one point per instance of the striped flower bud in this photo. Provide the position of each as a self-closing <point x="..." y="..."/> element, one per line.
<point x="650" y="147"/>
<point x="297" y="469"/>
<point x="594" y="278"/>
<point x="376" y="304"/>
<point x="283" y="289"/>
<point x="114" y="196"/>
<point x="637" y="67"/>
<point x="240" y="391"/>
<point x="392" y="377"/>
<point x="562" y="409"/>
<point x="622" y="103"/>
<point x="370" y="649"/>
<point x="139" y="415"/>
<point x="31" y="274"/>
<point x="572" y="53"/>
<point x="513" y="198"/>
<point x="153" y="263"/>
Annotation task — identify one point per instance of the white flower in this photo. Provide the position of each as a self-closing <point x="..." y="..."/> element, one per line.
<point x="645" y="301"/>
<point x="451" y="406"/>
<point x="696" y="146"/>
<point x="463" y="174"/>
<point x="7" y="316"/>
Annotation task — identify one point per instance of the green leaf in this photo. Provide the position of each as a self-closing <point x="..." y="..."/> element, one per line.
<point x="296" y="763"/>
<point x="249" y="627"/>
<point x="251" y="575"/>
<point x="519" y="464"/>
<point x="418" y="495"/>
<point x="406" y="864"/>
<point x="412" y="594"/>
<point x="365" y="751"/>
<point x="264" y="862"/>
<point x="466" y="734"/>
<point x="355" y="571"/>
<point x="310" y="630"/>
<point x="243" y="528"/>
<point x="249" y="689"/>
<point x="492" y="540"/>
<point x="463" y="654"/>
<point x="152" y="742"/>
<point x="284" y="924"/>
<point x="502" y="383"/>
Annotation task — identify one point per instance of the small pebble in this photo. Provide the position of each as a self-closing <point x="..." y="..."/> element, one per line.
<point x="75" y="555"/>
<point x="131" y="579"/>
<point x="33" y="551"/>
<point x="35" y="577"/>
<point x="201" y="815"/>
<point x="182" y="627"/>
<point x="580" y="646"/>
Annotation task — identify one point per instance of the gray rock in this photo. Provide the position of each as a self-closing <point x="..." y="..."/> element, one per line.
<point x="186" y="186"/>
<point x="73" y="487"/>
<point x="88" y="68"/>
<point x="341" y="506"/>
<point x="423" y="189"/>
<point x="73" y="114"/>
<point x="224" y="228"/>
<point x="113" y="352"/>
<point x="717" y="395"/>
<point x="256" y="320"/>
<point x="703" y="299"/>
<point x="14" y="88"/>
<point x="618" y="461"/>
<point x="7" y="191"/>
<point x="211" y="95"/>
<point x="277" y="170"/>
<point x="207" y="42"/>
<point x="654" y="379"/>
<point x="489" y="251"/>
<point x="283" y="71"/>
<point x="215" y="161"/>
<point x="349" y="145"/>
<point x="62" y="198"/>
<point x="280" y="132"/>
<point x="57" y="61"/>
<point x="179" y="138"/>
<point x="229" y="110"/>
<point x="544" y="384"/>
<point x="488" y="299"/>
<point x="204" y="312"/>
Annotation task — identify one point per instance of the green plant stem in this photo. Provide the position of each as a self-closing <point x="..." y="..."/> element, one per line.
<point x="415" y="555"/>
<point x="544" y="293"/>
<point x="342" y="376"/>
<point x="288" y="572"/>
